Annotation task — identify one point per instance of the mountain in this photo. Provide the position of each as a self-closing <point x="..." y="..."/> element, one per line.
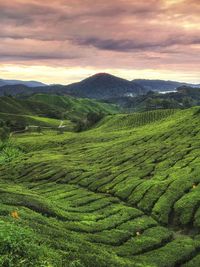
<point x="104" y="86"/>
<point x="161" y="85"/>
<point x="98" y="86"/>
<point x="17" y="82"/>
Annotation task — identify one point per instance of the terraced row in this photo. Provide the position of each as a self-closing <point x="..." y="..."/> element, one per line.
<point x="102" y="220"/>
<point x="133" y="193"/>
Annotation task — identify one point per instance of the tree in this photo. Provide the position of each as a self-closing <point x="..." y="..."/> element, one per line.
<point x="80" y="126"/>
<point x="93" y="118"/>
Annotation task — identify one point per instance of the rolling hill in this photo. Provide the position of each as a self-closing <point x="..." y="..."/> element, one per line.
<point x="123" y="194"/>
<point x="27" y="106"/>
<point x="49" y="110"/>
<point x="53" y="105"/>
<point x="75" y="107"/>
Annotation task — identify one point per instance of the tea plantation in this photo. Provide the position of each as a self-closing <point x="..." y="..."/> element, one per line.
<point x="125" y="193"/>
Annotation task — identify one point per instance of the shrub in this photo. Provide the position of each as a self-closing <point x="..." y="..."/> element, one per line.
<point x="18" y="247"/>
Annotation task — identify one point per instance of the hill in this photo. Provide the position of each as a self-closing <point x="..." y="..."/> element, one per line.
<point x="75" y="107"/>
<point x="27" y="106"/>
<point x="125" y="193"/>
<point x="18" y="82"/>
<point x="48" y="110"/>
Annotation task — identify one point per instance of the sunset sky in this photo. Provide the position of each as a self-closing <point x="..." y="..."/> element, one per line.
<point x="63" y="41"/>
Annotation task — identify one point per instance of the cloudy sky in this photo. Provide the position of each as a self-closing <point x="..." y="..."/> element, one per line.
<point x="62" y="41"/>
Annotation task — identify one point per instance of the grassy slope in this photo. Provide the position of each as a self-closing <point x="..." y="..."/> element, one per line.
<point x="31" y="120"/>
<point x="75" y="107"/>
<point x="29" y="112"/>
<point x="23" y="106"/>
<point x="106" y="198"/>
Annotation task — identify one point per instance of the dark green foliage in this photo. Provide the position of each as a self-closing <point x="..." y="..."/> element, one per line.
<point x="91" y="119"/>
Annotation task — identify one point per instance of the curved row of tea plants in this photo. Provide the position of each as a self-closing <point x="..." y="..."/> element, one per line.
<point x="107" y="198"/>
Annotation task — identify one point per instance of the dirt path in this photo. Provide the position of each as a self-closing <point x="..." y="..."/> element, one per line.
<point x="61" y="124"/>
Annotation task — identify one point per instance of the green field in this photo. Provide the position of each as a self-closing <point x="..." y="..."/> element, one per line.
<point x="125" y="193"/>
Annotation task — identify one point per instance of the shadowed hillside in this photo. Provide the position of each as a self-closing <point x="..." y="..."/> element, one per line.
<point x="104" y="86"/>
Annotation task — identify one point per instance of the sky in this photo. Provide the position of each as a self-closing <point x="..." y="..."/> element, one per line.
<point x="64" y="41"/>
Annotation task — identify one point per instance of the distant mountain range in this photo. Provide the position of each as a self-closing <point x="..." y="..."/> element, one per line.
<point x="16" y="82"/>
<point x="98" y="86"/>
<point x="161" y="85"/>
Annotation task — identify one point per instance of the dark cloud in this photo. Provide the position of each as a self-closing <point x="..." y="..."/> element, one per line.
<point x="36" y="56"/>
<point x="123" y="45"/>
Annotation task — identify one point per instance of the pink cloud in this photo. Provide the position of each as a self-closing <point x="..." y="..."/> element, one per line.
<point x="108" y="34"/>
